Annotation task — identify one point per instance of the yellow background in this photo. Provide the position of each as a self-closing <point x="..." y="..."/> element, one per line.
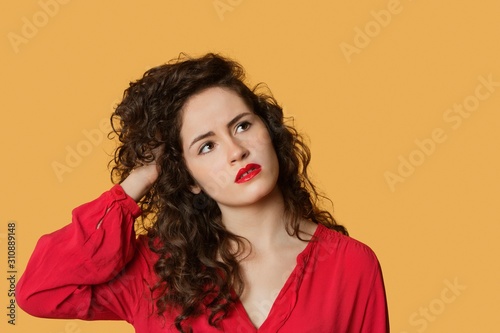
<point x="362" y="112"/>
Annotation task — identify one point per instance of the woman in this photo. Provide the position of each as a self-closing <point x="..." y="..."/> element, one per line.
<point x="234" y="241"/>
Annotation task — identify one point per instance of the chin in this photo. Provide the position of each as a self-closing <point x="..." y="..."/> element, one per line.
<point x="266" y="194"/>
<point x="237" y="199"/>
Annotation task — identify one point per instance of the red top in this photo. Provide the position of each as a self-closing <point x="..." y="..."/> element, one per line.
<point x="95" y="268"/>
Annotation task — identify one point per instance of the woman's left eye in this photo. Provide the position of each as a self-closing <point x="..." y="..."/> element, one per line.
<point x="243" y="126"/>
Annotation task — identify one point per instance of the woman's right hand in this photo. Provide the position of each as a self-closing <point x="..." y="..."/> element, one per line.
<point x="142" y="178"/>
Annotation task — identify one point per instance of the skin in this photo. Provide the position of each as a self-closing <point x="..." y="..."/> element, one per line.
<point x="254" y="209"/>
<point x="236" y="137"/>
<point x="140" y="181"/>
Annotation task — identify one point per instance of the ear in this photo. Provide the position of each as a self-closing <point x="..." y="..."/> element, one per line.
<point x="195" y="189"/>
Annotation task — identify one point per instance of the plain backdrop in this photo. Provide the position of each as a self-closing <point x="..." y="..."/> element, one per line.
<point x="400" y="101"/>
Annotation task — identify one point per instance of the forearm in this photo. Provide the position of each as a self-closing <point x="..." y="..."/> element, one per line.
<point x="140" y="181"/>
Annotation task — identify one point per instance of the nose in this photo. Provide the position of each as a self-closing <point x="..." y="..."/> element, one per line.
<point x="236" y="151"/>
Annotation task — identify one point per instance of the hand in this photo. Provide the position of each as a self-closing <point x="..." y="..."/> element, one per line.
<point x="142" y="178"/>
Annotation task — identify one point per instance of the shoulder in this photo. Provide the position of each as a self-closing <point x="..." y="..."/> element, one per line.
<point x="335" y="249"/>
<point x="340" y="267"/>
<point x="337" y="263"/>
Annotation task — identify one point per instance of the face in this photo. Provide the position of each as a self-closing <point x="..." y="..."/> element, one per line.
<point x="227" y="149"/>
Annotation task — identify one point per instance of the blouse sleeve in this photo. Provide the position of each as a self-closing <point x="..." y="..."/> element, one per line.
<point x="376" y="318"/>
<point x="79" y="270"/>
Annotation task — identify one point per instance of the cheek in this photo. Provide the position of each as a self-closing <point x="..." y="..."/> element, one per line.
<point x="263" y="141"/>
<point x="211" y="176"/>
<point x="196" y="169"/>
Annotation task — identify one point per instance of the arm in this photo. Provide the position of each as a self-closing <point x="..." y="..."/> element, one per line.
<point x="376" y="314"/>
<point x="79" y="270"/>
<point x="91" y="251"/>
<point x="138" y="183"/>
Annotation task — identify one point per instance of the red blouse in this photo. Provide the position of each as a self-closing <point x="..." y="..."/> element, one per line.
<point x="95" y="268"/>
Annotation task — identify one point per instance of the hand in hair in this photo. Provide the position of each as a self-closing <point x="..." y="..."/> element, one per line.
<point x="143" y="177"/>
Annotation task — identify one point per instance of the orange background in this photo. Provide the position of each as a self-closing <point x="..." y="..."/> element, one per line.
<point x="375" y="85"/>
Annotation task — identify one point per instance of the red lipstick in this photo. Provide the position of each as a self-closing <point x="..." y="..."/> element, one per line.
<point x="247" y="173"/>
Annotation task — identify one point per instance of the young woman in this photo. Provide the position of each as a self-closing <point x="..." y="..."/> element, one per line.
<point x="235" y="240"/>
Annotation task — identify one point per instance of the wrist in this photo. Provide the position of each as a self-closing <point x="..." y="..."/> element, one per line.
<point x="140" y="181"/>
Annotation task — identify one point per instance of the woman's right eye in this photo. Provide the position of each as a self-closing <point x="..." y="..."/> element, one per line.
<point x="206" y="148"/>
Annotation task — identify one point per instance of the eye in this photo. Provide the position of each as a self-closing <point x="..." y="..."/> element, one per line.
<point x="206" y="148"/>
<point x="243" y="126"/>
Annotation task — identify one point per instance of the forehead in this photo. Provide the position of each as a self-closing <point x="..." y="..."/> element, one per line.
<point x="212" y="99"/>
<point x="208" y="108"/>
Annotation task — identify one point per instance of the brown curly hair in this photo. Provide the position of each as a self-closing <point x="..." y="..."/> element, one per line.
<point x="198" y="267"/>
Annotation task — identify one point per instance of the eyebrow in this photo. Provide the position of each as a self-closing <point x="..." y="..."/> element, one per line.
<point x="211" y="133"/>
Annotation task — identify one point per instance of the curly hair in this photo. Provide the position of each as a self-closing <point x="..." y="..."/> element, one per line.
<point x="198" y="266"/>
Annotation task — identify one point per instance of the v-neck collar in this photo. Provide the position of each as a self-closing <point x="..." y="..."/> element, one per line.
<point x="287" y="298"/>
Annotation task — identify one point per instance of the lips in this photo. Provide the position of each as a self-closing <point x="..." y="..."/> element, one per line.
<point x="247" y="173"/>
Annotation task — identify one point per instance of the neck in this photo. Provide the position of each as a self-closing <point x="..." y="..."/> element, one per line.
<point x="262" y="223"/>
